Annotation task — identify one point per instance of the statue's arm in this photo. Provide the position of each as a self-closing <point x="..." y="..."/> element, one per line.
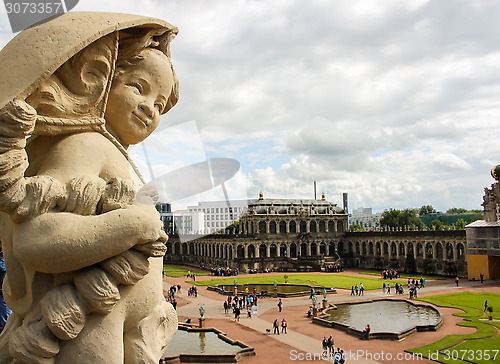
<point x="62" y="242"/>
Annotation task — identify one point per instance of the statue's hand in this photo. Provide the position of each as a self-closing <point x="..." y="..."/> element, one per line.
<point x="84" y="194"/>
<point x="154" y="249"/>
<point x="117" y="195"/>
<point x="17" y="119"/>
<point x="148" y="223"/>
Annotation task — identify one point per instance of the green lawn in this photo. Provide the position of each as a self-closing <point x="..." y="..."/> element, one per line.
<point x="406" y="276"/>
<point x="179" y="271"/>
<point x="469" y="348"/>
<point x="330" y="280"/>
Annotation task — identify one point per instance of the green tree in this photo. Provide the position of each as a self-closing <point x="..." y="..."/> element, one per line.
<point x="393" y="218"/>
<point x="426" y="209"/>
<point x="234" y="228"/>
<point x="457" y="210"/>
<point x="460" y="224"/>
<point x="356" y="228"/>
<point x="437" y="225"/>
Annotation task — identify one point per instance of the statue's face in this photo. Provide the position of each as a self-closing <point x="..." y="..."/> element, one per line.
<point x="137" y="97"/>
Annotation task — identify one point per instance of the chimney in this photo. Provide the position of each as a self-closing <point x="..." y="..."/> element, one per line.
<point x="344" y="202"/>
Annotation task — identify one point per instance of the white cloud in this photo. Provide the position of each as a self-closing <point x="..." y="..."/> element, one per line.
<point x="395" y="102"/>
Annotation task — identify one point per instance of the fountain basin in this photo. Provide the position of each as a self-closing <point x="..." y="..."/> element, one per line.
<point x="282" y="290"/>
<point x="389" y="319"/>
<point x="204" y="345"/>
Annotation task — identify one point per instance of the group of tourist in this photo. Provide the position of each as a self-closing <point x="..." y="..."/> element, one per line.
<point x="358" y="290"/>
<point x="390" y="274"/>
<point x="223" y="271"/>
<point x="193" y="291"/>
<point x="191" y="275"/>
<point x="172" y="292"/>
<point x="329" y="352"/>
<point x="398" y="288"/>
<point x="237" y="303"/>
<point x="277" y="325"/>
<point x="334" y="268"/>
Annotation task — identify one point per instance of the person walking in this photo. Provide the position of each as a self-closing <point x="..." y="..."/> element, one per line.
<point x="456" y="281"/>
<point x="324" y="345"/>
<point x="284" y="325"/>
<point x="276" y="327"/>
<point x="361" y="289"/>
<point x="280" y="305"/>
<point x="330" y="345"/>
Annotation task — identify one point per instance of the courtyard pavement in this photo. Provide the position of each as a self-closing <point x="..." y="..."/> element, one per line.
<point x="302" y="343"/>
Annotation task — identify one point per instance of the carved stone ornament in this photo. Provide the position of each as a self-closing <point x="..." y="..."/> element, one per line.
<point x="82" y="249"/>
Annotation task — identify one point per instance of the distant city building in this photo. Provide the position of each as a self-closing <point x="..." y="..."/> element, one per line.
<point x="365" y="218"/>
<point x="217" y="215"/>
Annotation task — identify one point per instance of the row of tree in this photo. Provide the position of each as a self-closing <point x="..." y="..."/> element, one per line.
<point x="411" y="218"/>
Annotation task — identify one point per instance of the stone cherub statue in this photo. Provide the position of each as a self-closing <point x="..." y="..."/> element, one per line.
<point x="83" y="252"/>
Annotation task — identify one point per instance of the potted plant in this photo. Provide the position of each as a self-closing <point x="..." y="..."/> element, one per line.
<point x="490" y="310"/>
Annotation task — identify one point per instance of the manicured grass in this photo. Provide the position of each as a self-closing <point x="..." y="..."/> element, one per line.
<point x="406" y="276"/>
<point x="179" y="271"/>
<point x="467" y="348"/>
<point x="330" y="280"/>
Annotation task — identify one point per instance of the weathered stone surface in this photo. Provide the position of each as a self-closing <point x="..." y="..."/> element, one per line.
<point x="83" y="255"/>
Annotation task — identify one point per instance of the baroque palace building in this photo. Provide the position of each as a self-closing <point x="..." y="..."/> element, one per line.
<point x="312" y="235"/>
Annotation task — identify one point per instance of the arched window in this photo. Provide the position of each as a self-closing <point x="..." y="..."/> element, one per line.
<point x="322" y="248"/>
<point x="262" y="227"/>
<point x="240" y="252"/>
<point x="313" y="226"/>
<point x="251" y="251"/>
<point x="331" y="226"/>
<point x="272" y="227"/>
<point x="439" y="251"/>
<point x="263" y="251"/>
<point x="460" y="251"/>
<point x="283" y="252"/>
<point x="293" y="250"/>
<point x="314" y="249"/>
<point x="303" y="249"/>
<point x="402" y="250"/>
<point x="273" y="251"/>
<point x="303" y="226"/>
<point x="282" y="227"/>
<point x="322" y="226"/>
<point x="293" y="227"/>
<point x="331" y="248"/>
<point x="420" y="250"/>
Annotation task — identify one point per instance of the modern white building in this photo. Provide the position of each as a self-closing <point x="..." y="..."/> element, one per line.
<point x="365" y="218"/>
<point x="217" y="215"/>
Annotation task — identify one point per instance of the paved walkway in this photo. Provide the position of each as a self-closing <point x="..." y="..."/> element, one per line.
<point x="303" y="341"/>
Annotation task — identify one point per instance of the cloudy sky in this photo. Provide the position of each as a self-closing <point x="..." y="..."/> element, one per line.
<point x="396" y="103"/>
